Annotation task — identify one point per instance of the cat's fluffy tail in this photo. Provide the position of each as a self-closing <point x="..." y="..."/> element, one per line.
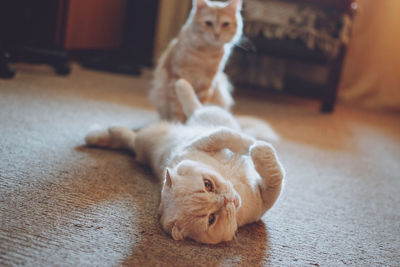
<point x="113" y="137"/>
<point x="187" y="97"/>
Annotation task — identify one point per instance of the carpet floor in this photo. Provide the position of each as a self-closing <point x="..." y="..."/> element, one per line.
<point x="62" y="204"/>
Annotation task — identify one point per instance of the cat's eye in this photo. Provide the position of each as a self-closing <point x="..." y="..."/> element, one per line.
<point x="208" y="185"/>
<point x="211" y="219"/>
<point x="225" y="24"/>
<point x="209" y="23"/>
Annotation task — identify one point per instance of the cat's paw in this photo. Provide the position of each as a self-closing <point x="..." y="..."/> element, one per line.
<point x="119" y="132"/>
<point x="122" y="137"/>
<point x="261" y="151"/>
<point x="187" y="98"/>
<point x="267" y="163"/>
<point x="183" y="87"/>
<point x="184" y="91"/>
<point x="99" y="138"/>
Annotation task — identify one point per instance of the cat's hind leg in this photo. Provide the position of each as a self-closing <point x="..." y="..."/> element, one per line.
<point x="114" y="137"/>
<point x="222" y="92"/>
<point x="187" y="97"/>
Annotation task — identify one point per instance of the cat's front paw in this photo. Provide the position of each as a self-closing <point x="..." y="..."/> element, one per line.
<point x="270" y="170"/>
<point x="267" y="163"/>
<point x="261" y="151"/>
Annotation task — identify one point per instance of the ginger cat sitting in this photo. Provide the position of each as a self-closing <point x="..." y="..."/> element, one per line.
<point x="199" y="54"/>
<point x="215" y="177"/>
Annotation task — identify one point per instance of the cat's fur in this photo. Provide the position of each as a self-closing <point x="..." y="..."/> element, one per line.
<point x="245" y="174"/>
<point x="199" y="54"/>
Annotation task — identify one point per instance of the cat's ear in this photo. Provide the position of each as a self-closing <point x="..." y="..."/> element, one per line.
<point x="234" y="5"/>
<point x="199" y="4"/>
<point x="177" y="234"/>
<point x="168" y="179"/>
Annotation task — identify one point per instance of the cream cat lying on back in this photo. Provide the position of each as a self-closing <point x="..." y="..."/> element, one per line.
<point x="216" y="178"/>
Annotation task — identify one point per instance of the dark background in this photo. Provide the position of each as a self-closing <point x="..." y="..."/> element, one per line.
<point x="43" y="24"/>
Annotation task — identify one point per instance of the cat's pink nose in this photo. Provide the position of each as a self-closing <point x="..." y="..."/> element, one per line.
<point x="226" y="201"/>
<point x="233" y="200"/>
<point x="236" y="202"/>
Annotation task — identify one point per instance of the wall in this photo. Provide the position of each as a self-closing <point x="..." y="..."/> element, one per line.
<point x="171" y="16"/>
<point x="371" y="75"/>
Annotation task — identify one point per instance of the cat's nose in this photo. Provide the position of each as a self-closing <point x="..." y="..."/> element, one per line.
<point x="236" y="202"/>
<point x="227" y="201"/>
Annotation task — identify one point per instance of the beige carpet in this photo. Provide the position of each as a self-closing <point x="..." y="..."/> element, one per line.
<point x="66" y="205"/>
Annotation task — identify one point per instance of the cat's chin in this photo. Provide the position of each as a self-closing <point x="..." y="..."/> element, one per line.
<point x="213" y="42"/>
<point x="216" y="44"/>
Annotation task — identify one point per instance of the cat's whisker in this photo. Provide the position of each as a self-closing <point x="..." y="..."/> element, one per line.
<point x="246" y="44"/>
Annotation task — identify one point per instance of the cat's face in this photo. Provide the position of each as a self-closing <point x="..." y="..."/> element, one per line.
<point x="197" y="203"/>
<point x="217" y="23"/>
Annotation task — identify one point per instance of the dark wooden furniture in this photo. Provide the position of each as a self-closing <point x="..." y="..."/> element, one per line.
<point x="295" y="50"/>
<point x="114" y="36"/>
<point x="27" y="30"/>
